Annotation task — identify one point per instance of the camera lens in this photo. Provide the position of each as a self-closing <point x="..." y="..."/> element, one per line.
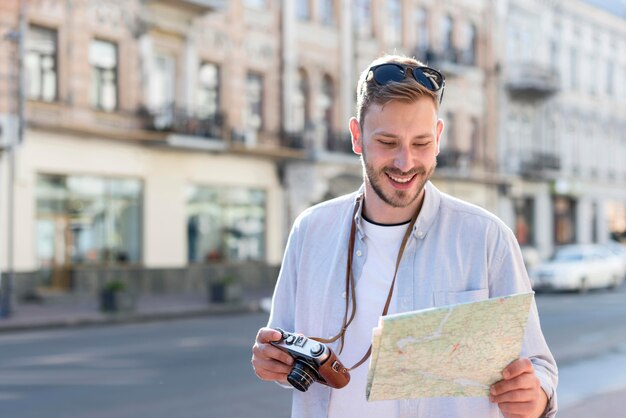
<point x="302" y="376"/>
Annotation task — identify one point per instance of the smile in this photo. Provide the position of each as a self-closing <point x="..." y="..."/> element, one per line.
<point x="400" y="179"/>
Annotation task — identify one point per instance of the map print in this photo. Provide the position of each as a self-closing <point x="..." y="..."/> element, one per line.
<point x="456" y="350"/>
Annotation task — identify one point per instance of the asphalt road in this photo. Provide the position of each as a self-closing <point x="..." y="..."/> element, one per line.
<point x="201" y="367"/>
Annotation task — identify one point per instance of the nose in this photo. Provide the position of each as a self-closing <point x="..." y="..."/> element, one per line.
<point x="403" y="159"/>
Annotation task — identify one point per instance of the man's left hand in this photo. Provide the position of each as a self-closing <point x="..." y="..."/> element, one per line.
<point x="519" y="394"/>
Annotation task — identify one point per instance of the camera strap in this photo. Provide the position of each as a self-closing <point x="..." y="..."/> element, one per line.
<point x="350" y="286"/>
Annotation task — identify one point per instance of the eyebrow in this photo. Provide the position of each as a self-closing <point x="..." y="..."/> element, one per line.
<point x="394" y="136"/>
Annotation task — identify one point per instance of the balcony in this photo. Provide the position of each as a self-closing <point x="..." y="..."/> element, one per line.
<point x="539" y="165"/>
<point x="296" y="140"/>
<point x="185" y="128"/>
<point x="192" y="6"/>
<point x="339" y="142"/>
<point x="532" y="80"/>
<point x="452" y="62"/>
<point x="453" y="159"/>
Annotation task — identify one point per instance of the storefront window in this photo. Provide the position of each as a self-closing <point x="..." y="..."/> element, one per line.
<point x="225" y="224"/>
<point x="88" y="220"/>
<point x="564" y="220"/>
<point x="524" y="220"/>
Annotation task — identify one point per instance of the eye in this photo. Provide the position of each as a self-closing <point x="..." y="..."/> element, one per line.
<point x="386" y="142"/>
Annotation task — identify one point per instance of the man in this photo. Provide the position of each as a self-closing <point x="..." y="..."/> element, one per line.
<point x="454" y="252"/>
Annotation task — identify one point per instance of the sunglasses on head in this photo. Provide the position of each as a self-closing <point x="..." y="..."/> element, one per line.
<point x="389" y="72"/>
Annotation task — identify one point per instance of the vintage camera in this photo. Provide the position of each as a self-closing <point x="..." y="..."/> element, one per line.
<point x="314" y="361"/>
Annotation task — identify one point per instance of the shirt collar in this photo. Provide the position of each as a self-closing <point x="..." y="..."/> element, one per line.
<point x="425" y="219"/>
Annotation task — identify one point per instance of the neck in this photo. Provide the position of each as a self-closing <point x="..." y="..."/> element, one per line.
<point x="381" y="212"/>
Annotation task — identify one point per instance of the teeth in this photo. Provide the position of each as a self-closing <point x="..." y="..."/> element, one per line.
<point x="399" y="180"/>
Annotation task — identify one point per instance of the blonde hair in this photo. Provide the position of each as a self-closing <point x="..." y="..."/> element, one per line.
<point x="408" y="90"/>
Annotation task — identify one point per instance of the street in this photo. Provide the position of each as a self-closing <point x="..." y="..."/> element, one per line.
<point x="201" y="367"/>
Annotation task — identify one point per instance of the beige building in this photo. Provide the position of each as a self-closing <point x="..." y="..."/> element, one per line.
<point x="129" y="163"/>
<point x="562" y="119"/>
<point x="327" y="44"/>
<point x="169" y="139"/>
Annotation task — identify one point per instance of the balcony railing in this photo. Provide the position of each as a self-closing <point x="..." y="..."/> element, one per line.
<point x="453" y="158"/>
<point x="193" y="6"/>
<point x="339" y="142"/>
<point x="532" y="79"/>
<point x="452" y="61"/>
<point x="539" y="164"/>
<point x="184" y="122"/>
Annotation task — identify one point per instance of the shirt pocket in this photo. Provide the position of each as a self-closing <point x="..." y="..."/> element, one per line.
<point x="451" y="298"/>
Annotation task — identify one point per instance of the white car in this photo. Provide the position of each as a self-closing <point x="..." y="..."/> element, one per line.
<point x="579" y="267"/>
<point x="620" y="251"/>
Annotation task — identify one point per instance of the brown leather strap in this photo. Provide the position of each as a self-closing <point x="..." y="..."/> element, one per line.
<point x="407" y="234"/>
<point x="350" y="285"/>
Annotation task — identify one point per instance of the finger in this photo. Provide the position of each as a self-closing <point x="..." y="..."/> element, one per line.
<point x="271" y="366"/>
<point x="517" y="368"/>
<point x="266" y="335"/>
<point x="523" y="395"/>
<point x="507" y="415"/>
<point x="268" y="351"/>
<point x="516" y="408"/>
<point x="525" y="381"/>
<point x="270" y="375"/>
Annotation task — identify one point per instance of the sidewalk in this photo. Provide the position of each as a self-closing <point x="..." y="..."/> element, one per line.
<point x="85" y="312"/>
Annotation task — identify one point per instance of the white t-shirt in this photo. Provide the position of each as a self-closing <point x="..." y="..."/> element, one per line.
<point x="383" y="243"/>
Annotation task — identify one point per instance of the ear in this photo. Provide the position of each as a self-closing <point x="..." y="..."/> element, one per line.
<point x="439" y="131"/>
<point x="355" y="133"/>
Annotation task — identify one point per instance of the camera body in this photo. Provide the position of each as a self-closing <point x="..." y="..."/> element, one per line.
<point x="314" y="361"/>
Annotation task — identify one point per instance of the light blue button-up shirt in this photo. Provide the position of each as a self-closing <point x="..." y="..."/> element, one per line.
<point x="457" y="252"/>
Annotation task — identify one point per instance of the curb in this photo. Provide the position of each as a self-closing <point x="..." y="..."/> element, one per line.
<point x="130" y="318"/>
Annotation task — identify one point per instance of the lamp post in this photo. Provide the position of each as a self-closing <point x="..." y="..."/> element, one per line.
<point x="6" y="285"/>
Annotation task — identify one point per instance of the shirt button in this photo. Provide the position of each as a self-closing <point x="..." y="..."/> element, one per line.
<point x="420" y="234"/>
<point x="359" y="253"/>
<point x="343" y="295"/>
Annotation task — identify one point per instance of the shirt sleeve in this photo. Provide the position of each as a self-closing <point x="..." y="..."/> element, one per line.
<point x="508" y="276"/>
<point x="282" y="314"/>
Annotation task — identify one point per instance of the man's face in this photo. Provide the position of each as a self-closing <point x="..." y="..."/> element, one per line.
<point x="398" y="144"/>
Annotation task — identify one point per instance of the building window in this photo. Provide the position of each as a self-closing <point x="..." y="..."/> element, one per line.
<point x="524" y="220"/>
<point x="423" y="41"/>
<point x="225" y="224"/>
<point x="326" y="103"/>
<point x="394" y="22"/>
<point x="450" y="132"/>
<point x="564" y="220"/>
<point x="469" y="55"/>
<point x="303" y="9"/>
<point x="104" y="69"/>
<point x="447" y="43"/>
<point x="573" y="68"/>
<point x="554" y="55"/>
<point x="363" y="17"/>
<point x="40" y="64"/>
<point x="476" y="148"/>
<point x="162" y="90"/>
<point x="253" y="115"/>
<point x="256" y="4"/>
<point x="301" y="102"/>
<point x="86" y="220"/>
<point x="609" y="78"/>
<point x="327" y="12"/>
<point x="208" y="96"/>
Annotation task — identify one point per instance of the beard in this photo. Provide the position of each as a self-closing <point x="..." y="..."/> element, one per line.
<point x="396" y="198"/>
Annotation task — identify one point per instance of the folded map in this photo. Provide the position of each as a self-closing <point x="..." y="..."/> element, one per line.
<point x="456" y="350"/>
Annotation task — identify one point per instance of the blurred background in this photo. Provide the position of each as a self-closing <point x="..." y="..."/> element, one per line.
<point x="154" y="154"/>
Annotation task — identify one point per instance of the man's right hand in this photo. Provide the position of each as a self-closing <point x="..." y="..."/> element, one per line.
<point x="269" y="362"/>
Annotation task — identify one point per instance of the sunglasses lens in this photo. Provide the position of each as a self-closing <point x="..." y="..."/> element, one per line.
<point x="387" y="73"/>
<point x="428" y="78"/>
